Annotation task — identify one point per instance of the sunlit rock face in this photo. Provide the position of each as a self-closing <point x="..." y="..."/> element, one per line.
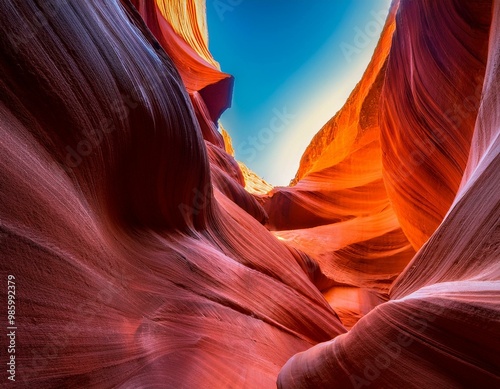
<point x="338" y="211"/>
<point x="133" y="269"/>
<point x="180" y="28"/>
<point x="142" y="261"/>
<point x="439" y="329"/>
<point x="429" y="104"/>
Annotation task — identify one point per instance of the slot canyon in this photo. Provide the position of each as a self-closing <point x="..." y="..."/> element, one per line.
<point x="138" y="252"/>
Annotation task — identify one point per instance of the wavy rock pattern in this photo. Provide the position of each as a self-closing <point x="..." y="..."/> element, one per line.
<point x="439" y="328"/>
<point x="338" y="211"/>
<point x="180" y="28"/>
<point x="119" y="286"/>
<point x="433" y="87"/>
<point x="141" y="260"/>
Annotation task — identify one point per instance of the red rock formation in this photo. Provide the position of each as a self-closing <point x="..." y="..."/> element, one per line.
<point x="228" y="178"/>
<point x="117" y="284"/>
<point x="338" y="211"/>
<point x="466" y="245"/>
<point x="180" y="28"/>
<point x="139" y="259"/>
<point x="253" y="183"/>
<point x="433" y="87"/>
<point x="440" y="327"/>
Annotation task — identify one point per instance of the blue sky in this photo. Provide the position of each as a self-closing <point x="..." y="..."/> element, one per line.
<point x="295" y="62"/>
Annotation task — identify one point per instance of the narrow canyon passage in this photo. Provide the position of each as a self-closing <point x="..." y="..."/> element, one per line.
<point x="137" y="252"/>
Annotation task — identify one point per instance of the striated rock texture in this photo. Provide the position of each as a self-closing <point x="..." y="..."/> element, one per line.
<point x="253" y="183"/>
<point x="432" y="91"/>
<point x="439" y="329"/>
<point x="339" y="211"/>
<point x="180" y="28"/>
<point x="141" y="261"/>
<point x="132" y="268"/>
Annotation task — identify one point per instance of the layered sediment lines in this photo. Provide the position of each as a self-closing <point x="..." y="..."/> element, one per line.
<point x="132" y="268"/>
<point x="439" y="327"/>
<point x="180" y="28"/>
<point x="432" y="92"/>
<point x="140" y="260"/>
<point x="338" y="211"/>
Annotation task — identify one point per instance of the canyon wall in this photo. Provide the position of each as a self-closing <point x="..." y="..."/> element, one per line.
<point x="439" y="327"/>
<point x="133" y="268"/>
<point x="140" y="259"/>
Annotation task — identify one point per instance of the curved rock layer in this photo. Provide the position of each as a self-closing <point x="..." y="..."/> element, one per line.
<point x="189" y="21"/>
<point x="131" y="269"/>
<point x="439" y="330"/>
<point x="229" y="179"/>
<point x="338" y="211"/>
<point x="180" y="28"/>
<point x="139" y="259"/>
<point x="433" y="87"/>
